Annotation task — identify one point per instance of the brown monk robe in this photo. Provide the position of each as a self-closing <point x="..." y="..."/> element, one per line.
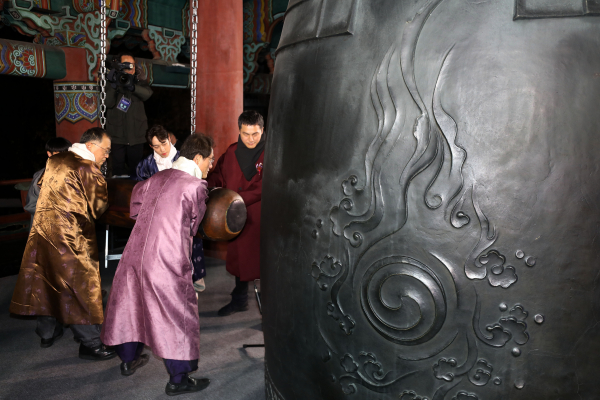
<point x="59" y="279"/>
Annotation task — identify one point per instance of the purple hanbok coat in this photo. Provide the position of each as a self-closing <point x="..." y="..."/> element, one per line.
<point x="152" y="299"/>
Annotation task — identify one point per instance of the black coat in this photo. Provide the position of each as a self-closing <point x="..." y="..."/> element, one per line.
<point x="127" y="127"/>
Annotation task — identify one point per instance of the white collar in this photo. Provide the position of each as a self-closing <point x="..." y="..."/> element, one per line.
<point x="189" y="166"/>
<point x="167" y="162"/>
<point x="81" y="150"/>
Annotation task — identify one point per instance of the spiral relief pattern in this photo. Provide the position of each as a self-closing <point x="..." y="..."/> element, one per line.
<point x="404" y="300"/>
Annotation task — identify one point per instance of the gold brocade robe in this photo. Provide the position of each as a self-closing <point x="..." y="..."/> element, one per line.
<point x="59" y="274"/>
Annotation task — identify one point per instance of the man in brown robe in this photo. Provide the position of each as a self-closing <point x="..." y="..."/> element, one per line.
<point x="59" y="280"/>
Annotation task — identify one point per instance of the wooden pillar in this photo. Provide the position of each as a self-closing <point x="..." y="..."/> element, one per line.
<point x="73" y="88"/>
<point x="220" y="80"/>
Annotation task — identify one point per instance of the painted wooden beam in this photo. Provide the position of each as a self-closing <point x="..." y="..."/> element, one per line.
<point x="31" y="60"/>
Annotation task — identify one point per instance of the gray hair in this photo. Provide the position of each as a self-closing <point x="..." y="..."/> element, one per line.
<point x="93" y="135"/>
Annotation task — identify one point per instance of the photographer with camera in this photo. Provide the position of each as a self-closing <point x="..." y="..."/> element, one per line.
<point x="125" y="114"/>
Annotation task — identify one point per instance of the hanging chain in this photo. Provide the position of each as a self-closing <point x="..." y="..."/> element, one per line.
<point x="193" y="60"/>
<point x="102" y="69"/>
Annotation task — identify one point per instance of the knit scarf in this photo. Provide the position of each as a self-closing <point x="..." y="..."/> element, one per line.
<point x="247" y="158"/>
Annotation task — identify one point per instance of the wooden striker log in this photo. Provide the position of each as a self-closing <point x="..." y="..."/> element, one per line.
<point x="224" y="218"/>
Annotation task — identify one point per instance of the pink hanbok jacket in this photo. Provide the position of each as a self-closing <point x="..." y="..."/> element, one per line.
<point x="152" y="299"/>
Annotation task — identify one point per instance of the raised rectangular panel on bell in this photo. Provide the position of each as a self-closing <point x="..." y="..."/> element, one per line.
<point x="527" y="9"/>
<point x="317" y="19"/>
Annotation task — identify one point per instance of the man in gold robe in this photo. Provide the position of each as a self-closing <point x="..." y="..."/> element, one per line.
<point x="59" y="279"/>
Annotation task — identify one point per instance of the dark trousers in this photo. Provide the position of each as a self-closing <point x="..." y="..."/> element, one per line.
<point x="177" y="369"/>
<point x="88" y="335"/>
<point x="125" y="158"/>
<point x="129" y="351"/>
<point x="198" y="260"/>
<point x="239" y="295"/>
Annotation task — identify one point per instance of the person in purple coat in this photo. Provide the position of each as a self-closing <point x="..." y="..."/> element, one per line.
<point x="152" y="301"/>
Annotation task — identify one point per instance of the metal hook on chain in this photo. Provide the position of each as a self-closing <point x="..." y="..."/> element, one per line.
<point x="193" y="61"/>
<point x="102" y="67"/>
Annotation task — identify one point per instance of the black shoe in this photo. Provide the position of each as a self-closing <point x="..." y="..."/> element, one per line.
<point x="191" y="385"/>
<point x="49" y="342"/>
<point x="98" y="353"/>
<point x="232" y="308"/>
<point x="130" y="367"/>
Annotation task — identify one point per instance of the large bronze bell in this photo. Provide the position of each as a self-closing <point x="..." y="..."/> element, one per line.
<point x="431" y="201"/>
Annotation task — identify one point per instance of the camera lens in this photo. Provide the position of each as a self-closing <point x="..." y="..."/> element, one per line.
<point x="124" y="79"/>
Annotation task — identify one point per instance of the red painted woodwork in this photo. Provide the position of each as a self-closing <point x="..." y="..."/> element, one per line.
<point x="21" y="217"/>
<point x="73" y="131"/>
<point x="10" y="182"/>
<point x="77" y="71"/>
<point x="77" y="66"/>
<point x="220" y="78"/>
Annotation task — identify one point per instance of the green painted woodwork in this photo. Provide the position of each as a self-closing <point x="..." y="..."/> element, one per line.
<point x="31" y="60"/>
<point x="57" y="5"/>
<point x="276" y="35"/>
<point x="163" y="13"/>
<point x="279" y="6"/>
<point x="166" y="13"/>
<point x="170" y="75"/>
<point x="21" y="3"/>
<point x="56" y="64"/>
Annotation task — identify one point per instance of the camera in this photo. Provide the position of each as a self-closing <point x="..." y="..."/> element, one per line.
<point x="117" y="75"/>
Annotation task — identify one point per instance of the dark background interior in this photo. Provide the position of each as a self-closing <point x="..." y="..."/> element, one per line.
<point x="27" y="121"/>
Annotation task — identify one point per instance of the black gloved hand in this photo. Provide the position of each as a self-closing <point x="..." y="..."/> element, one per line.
<point x="112" y="78"/>
<point x="129" y="87"/>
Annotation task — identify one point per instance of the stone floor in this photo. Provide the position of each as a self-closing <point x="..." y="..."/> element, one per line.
<point x="29" y="372"/>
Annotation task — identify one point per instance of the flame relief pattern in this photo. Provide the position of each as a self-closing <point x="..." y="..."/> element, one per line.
<point x="403" y="299"/>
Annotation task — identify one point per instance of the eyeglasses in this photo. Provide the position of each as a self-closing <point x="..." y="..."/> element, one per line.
<point x="212" y="160"/>
<point x="106" y="151"/>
